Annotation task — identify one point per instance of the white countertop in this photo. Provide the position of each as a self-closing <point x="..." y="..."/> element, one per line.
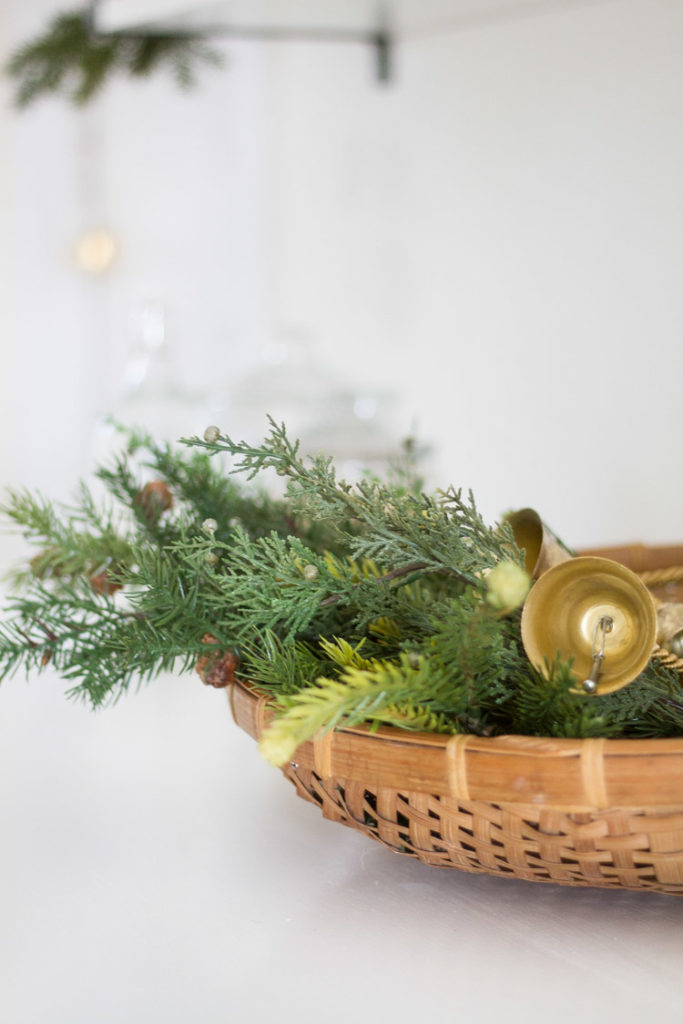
<point x="156" y="870"/>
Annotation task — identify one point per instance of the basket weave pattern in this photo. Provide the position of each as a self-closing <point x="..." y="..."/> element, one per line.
<point x="630" y="849"/>
<point x="595" y="812"/>
<point x="606" y="813"/>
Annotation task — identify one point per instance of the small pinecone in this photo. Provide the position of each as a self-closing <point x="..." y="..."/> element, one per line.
<point x="216" y="669"/>
<point x="44" y="564"/>
<point x="102" y="583"/>
<point x="154" y="499"/>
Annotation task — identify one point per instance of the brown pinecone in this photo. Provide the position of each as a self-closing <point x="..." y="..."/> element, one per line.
<point x="102" y="583"/>
<point x="45" y="564"/>
<point x="217" y="668"/>
<point x="154" y="499"/>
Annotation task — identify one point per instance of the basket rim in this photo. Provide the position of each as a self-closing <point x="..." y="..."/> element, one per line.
<point x="568" y="774"/>
<point x="571" y="775"/>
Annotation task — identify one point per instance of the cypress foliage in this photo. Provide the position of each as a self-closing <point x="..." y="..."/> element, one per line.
<point x="348" y="603"/>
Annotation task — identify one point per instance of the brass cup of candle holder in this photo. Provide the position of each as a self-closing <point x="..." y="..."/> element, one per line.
<point x="670" y="626"/>
<point x="596" y="612"/>
<point x="541" y="547"/>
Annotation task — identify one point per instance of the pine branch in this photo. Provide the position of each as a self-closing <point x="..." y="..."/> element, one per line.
<point x="75" y="541"/>
<point x="71" y="59"/>
<point x="365" y="603"/>
<point x="480" y="654"/>
<point x="650" y="706"/>
<point x="416" y="718"/>
<point x="357" y="695"/>
<point x="554" y="707"/>
<point x="393" y="528"/>
<point x="204" y="491"/>
<point x="279" y="668"/>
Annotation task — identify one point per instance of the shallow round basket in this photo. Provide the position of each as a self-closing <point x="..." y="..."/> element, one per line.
<point x="596" y="812"/>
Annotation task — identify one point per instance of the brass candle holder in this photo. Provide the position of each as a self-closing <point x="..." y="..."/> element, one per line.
<point x="541" y="547"/>
<point x="597" y="613"/>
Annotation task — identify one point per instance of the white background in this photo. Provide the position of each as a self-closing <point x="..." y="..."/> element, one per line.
<point x="496" y="239"/>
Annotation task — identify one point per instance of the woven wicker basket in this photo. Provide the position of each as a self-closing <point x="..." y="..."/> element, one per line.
<point x="606" y="813"/>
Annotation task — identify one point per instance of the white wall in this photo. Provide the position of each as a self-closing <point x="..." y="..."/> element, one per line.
<point x="173" y="176"/>
<point x="48" y="358"/>
<point x="499" y="235"/>
<point x="495" y="237"/>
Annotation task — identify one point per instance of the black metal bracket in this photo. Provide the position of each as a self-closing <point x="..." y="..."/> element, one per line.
<point x="380" y="39"/>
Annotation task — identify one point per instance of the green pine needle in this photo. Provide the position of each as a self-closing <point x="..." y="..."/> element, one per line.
<point x="347" y="603"/>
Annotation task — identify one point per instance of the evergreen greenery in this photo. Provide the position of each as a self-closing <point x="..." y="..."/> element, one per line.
<point x="74" y="60"/>
<point x="371" y="602"/>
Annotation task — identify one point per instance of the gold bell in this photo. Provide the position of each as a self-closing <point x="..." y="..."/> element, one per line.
<point x="541" y="547"/>
<point x="596" y="612"/>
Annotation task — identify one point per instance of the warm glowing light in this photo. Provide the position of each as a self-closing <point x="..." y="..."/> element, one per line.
<point x="95" y="251"/>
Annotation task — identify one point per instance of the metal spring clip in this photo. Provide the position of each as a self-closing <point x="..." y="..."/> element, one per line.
<point x="602" y="627"/>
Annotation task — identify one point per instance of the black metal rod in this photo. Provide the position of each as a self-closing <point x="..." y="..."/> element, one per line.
<point x="273" y="33"/>
<point x="379" y="39"/>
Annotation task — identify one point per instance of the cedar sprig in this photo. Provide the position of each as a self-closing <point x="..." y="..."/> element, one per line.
<point x="347" y="602"/>
<point x="416" y="534"/>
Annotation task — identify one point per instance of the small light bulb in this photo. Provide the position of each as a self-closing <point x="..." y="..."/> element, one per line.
<point x="95" y="251"/>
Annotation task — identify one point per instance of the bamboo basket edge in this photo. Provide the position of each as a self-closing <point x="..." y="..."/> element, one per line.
<point x="571" y="774"/>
